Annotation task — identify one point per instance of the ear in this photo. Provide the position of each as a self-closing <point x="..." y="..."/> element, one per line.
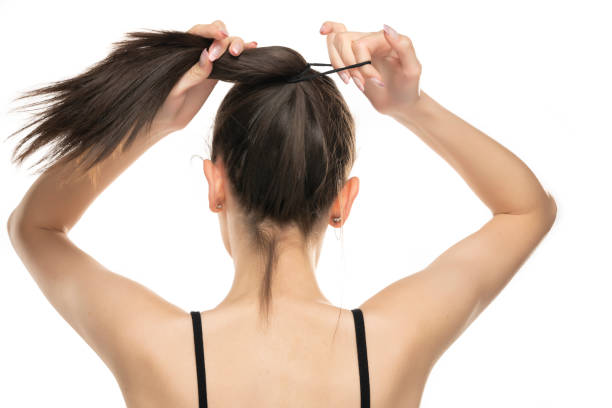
<point x="341" y="207"/>
<point x="214" y="175"/>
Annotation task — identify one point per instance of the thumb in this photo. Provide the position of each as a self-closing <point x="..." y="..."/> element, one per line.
<point x="196" y="74"/>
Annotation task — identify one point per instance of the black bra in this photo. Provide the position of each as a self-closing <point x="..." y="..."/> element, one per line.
<point x="362" y="355"/>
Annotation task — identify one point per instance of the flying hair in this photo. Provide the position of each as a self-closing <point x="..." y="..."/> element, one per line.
<point x="283" y="130"/>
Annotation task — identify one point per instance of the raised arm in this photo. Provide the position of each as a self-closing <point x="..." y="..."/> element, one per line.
<point x="423" y="313"/>
<point x="162" y="88"/>
<point x="499" y="178"/>
<point x="435" y="305"/>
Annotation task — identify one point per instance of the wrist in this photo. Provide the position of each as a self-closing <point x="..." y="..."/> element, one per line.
<point x="412" y="115"/>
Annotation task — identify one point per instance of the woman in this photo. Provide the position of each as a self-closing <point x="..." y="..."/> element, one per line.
<point x="283" y="146"/>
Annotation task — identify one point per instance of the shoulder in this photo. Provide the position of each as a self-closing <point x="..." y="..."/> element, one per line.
<point x="166" y="357"/>
<point x="393" y="358"/>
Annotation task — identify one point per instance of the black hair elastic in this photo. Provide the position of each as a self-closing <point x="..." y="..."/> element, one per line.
<point x="299" y="77"/>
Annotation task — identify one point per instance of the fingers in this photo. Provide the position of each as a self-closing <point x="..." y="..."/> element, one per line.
<point x="343" y="45"/>
<point x="215" y="30"/>
<point x="404" y="48"/>
<point x="336" y="59"/>
<point x="222" y="40"/>
<point x="234" y="44"/>
<point x="363" y="48"/>
<point x="200" y="71"/>
<point x="237" y="45"/>
<point x="332" y="27"/>
<point x="342" y="53"/>
<point x="221" y="43"/>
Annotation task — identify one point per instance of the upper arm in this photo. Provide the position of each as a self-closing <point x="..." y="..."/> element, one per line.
<point x="118" y="317"/>
<point x="432" y="307"/>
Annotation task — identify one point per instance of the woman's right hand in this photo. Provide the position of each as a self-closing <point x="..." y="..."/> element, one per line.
<point x="394" y="63"/>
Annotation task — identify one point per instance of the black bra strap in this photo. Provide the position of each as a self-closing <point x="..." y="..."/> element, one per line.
<point x="196" y="319"/>
<point x="362" y="355"/>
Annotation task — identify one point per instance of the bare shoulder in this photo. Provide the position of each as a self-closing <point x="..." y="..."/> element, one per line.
<point x="419" y="316"/>
<point x="168" y="359"/>
<point x="396" y="377"/>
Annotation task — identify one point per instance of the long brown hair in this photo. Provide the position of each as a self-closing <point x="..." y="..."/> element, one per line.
<point x="287" y="147"/>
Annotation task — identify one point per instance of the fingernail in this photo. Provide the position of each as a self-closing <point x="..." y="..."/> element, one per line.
<point x="255" y="42"/>
<point x="359" y="84"/>
<point x="214" y="53"/>
<point x="392" y="33"/>
<point x="377" y="81"/>
<point x="236" y="49"/>
<point x="322" y="28"/>
<point x="345" y="77"/>
<point x="224" y="32"/>
<point x="203" y="58"/>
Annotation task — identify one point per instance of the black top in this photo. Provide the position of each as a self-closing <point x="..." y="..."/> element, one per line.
<point x="362" y="356"/>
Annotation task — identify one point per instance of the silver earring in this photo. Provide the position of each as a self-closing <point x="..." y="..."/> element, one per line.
<point x="219" y="205"/>
<point x="336" y="219"/>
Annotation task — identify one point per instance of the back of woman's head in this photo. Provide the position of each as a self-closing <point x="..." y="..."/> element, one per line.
<point x="287" y="147"/>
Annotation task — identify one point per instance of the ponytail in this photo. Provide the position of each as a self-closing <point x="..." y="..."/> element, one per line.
<point x="287" y="147"/>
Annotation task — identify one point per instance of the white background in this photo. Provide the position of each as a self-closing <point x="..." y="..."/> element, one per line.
<point x="534" y="75"/>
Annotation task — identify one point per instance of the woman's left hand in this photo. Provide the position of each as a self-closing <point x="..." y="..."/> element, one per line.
<point x="191" y="91"/>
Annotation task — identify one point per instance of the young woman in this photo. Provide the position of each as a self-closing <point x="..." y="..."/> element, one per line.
<point x="283" y="146"/>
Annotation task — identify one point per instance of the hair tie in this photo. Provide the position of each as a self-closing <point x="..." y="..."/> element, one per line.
<point x="299" y="77"/>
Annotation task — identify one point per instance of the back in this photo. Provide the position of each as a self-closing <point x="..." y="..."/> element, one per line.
<point x="300" y="361"/>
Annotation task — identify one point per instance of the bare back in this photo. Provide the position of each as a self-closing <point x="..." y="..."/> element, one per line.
<point x="301" y="360"/>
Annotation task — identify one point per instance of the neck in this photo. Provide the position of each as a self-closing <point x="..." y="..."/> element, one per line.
<point x="293" y="276"/>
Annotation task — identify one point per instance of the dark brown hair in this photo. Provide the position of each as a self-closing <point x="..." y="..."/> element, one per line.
<point x="287" y="147"/>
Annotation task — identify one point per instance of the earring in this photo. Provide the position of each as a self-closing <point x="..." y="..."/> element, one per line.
<point x="336" y="219"/>
<point x="219" y="205"/>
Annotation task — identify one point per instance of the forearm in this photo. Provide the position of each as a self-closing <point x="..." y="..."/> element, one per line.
<point x="58" y="198"/>
<point x="499" y="178"/>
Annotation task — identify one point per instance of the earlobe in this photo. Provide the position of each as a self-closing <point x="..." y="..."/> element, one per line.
<point x="214" y="177"/>
<point x="209" y="174"/>
<point x="340" y="210"/>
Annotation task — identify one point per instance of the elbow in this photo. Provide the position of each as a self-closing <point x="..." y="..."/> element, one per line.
<point x="550" y="211"/>
<point x="15" y="227"/>
<point x="554" y="208"/>
<point x="19" y="226"/>
<point x="9" y="223"/>
<point x="10" y="228"/>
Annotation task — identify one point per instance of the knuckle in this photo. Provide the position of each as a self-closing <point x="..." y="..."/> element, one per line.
<point x="342" y="36"/>
<point x="196" y="28"/>
<point x="336" y="26"/>
<point x="406" y="41"/>
<point x="357" y="47"/>
<point x="196" y="72"/>
<point x="413" y="70"/>
<point x="332" y="39"/>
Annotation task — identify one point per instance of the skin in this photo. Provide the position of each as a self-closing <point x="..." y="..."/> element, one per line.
<point x="409" y="323"/>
